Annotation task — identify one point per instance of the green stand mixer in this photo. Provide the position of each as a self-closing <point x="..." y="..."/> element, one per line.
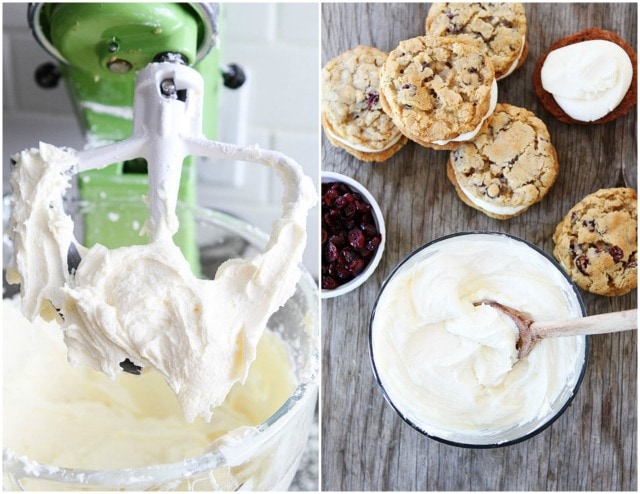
<point x="100" y="49"/>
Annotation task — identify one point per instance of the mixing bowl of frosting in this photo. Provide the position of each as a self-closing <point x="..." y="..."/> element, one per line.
<point x="73" y="428"/>
<point x="449" y="366"/>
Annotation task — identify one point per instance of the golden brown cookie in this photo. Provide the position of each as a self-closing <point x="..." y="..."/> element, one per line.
<point x="549" y="101"/>
<point x="596" y="242"/>
<point x="351" y="114"/>
<point x="508" y="167"/>
<point x="499" y="29"/>
<point x="439" y="92"/>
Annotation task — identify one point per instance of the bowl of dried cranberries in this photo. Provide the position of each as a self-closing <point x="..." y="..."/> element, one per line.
<point x="353" y="234"/>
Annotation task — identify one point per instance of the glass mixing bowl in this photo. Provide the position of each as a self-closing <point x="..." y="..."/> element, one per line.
<point x="387" y="375"/>
<point x="268" y="457"/>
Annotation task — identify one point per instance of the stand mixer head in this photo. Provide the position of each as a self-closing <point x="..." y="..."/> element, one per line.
<point x="100" y="48"/>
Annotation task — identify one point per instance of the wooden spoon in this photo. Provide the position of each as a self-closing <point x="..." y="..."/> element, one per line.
<point x="530" y="331"/>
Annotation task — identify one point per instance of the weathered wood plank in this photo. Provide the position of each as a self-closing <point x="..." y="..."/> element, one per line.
<point x="365" y="446"/>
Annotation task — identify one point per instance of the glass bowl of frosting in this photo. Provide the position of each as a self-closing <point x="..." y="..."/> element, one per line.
<point x="449" y="367"/>
<point x="72" y="428"/>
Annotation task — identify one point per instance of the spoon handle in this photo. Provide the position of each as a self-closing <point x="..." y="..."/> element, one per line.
<point x="602" y="323"/>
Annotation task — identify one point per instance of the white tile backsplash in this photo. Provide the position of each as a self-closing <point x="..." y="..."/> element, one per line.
<point x="298" y="24"/>
<point x="252" y="23"/>
<point x="278" y="44"/>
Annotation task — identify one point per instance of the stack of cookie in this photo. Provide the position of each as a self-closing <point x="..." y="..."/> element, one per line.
<point x="438" y="90"/>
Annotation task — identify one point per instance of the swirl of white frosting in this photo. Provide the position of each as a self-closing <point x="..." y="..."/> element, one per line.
<point x="588" y="80"/>
<point x="451" y="367"/>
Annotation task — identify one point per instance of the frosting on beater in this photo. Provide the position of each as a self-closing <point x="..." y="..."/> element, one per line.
<point x="142" y="302"/>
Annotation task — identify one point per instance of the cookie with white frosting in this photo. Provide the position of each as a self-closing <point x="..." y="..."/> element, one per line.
<point x="589" y="77"/>
<point x="351" y="114"/>
<point x="439" y="92"/>
<point x="508" y="167"/>
<point x="597" y="242"/>
<point x="499" y="29"/>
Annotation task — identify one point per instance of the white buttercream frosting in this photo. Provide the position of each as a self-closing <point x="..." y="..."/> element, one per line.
<point x="489" y="206"/>
<point x="514" y="65"/>
<point x="588" y="80"/>
<point x="77" y="418"/>
<point x="451" y="367"/>
<point x="467" y="136"/>
<point x="142" y="302"/>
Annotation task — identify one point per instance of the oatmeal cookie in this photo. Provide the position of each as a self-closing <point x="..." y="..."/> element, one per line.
<point x="606" y="72"/>
<point x="596" y="242"/>
<point x="351" y="114"/>
<point x="508" y="167"/>
<point x="439" y="92"/>
<point x="499" y="29"/>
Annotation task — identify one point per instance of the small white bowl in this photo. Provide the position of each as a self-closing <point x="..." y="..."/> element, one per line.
<point x="379" y="221"/>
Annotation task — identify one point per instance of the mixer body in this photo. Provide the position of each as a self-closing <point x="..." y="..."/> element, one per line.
<point x="100" y="48"/>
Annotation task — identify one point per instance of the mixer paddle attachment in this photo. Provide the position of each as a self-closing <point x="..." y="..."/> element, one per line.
<point x="167" y="127"/>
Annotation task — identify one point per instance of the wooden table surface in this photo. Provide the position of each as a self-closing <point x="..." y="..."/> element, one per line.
<point x="365" y="445"/>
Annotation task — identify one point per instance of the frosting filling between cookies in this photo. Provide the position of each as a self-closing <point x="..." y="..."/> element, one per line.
<point x="467" y="136"/>
<point x="514" y="65"/>
<point x="589" y="79"/>
<point x="489" y="206"/>
<point x="365" y="149"/>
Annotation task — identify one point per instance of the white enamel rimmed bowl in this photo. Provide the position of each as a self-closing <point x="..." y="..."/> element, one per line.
<point x="388" y="361"/>
<point x="379" y="221"/>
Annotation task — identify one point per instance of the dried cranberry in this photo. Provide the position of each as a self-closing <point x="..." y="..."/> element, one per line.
<point x="356" y="238"/>
<point x="616" y="252"/>
<point x="582" y="262"/>
<point x="356" y="266"/>
<point x="349" y="210"/>
<point x="342" y="272"/>
<point x="372" y="99"/>
<point x="369" y="229"/>
<point x="374" y="242"/>
<point x="339" y="202"/>
<point x="349" y="255"/>
<point x="331" y="252"/>
<point x="329" y="283"/>
<point x="362" y="207"/>
<point x="329" y="196"/>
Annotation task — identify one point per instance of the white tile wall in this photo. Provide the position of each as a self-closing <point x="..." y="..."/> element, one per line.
<point x="277" y="44"/>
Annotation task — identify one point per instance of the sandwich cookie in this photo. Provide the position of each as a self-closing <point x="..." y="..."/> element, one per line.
<point x="351" y="114"/>
<point x="499" y="29"/>
<point x="587" y="78"/>
<point x="508" y="167"/>
<point x="440" y="92"/>
<point x="597" y="242"/>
